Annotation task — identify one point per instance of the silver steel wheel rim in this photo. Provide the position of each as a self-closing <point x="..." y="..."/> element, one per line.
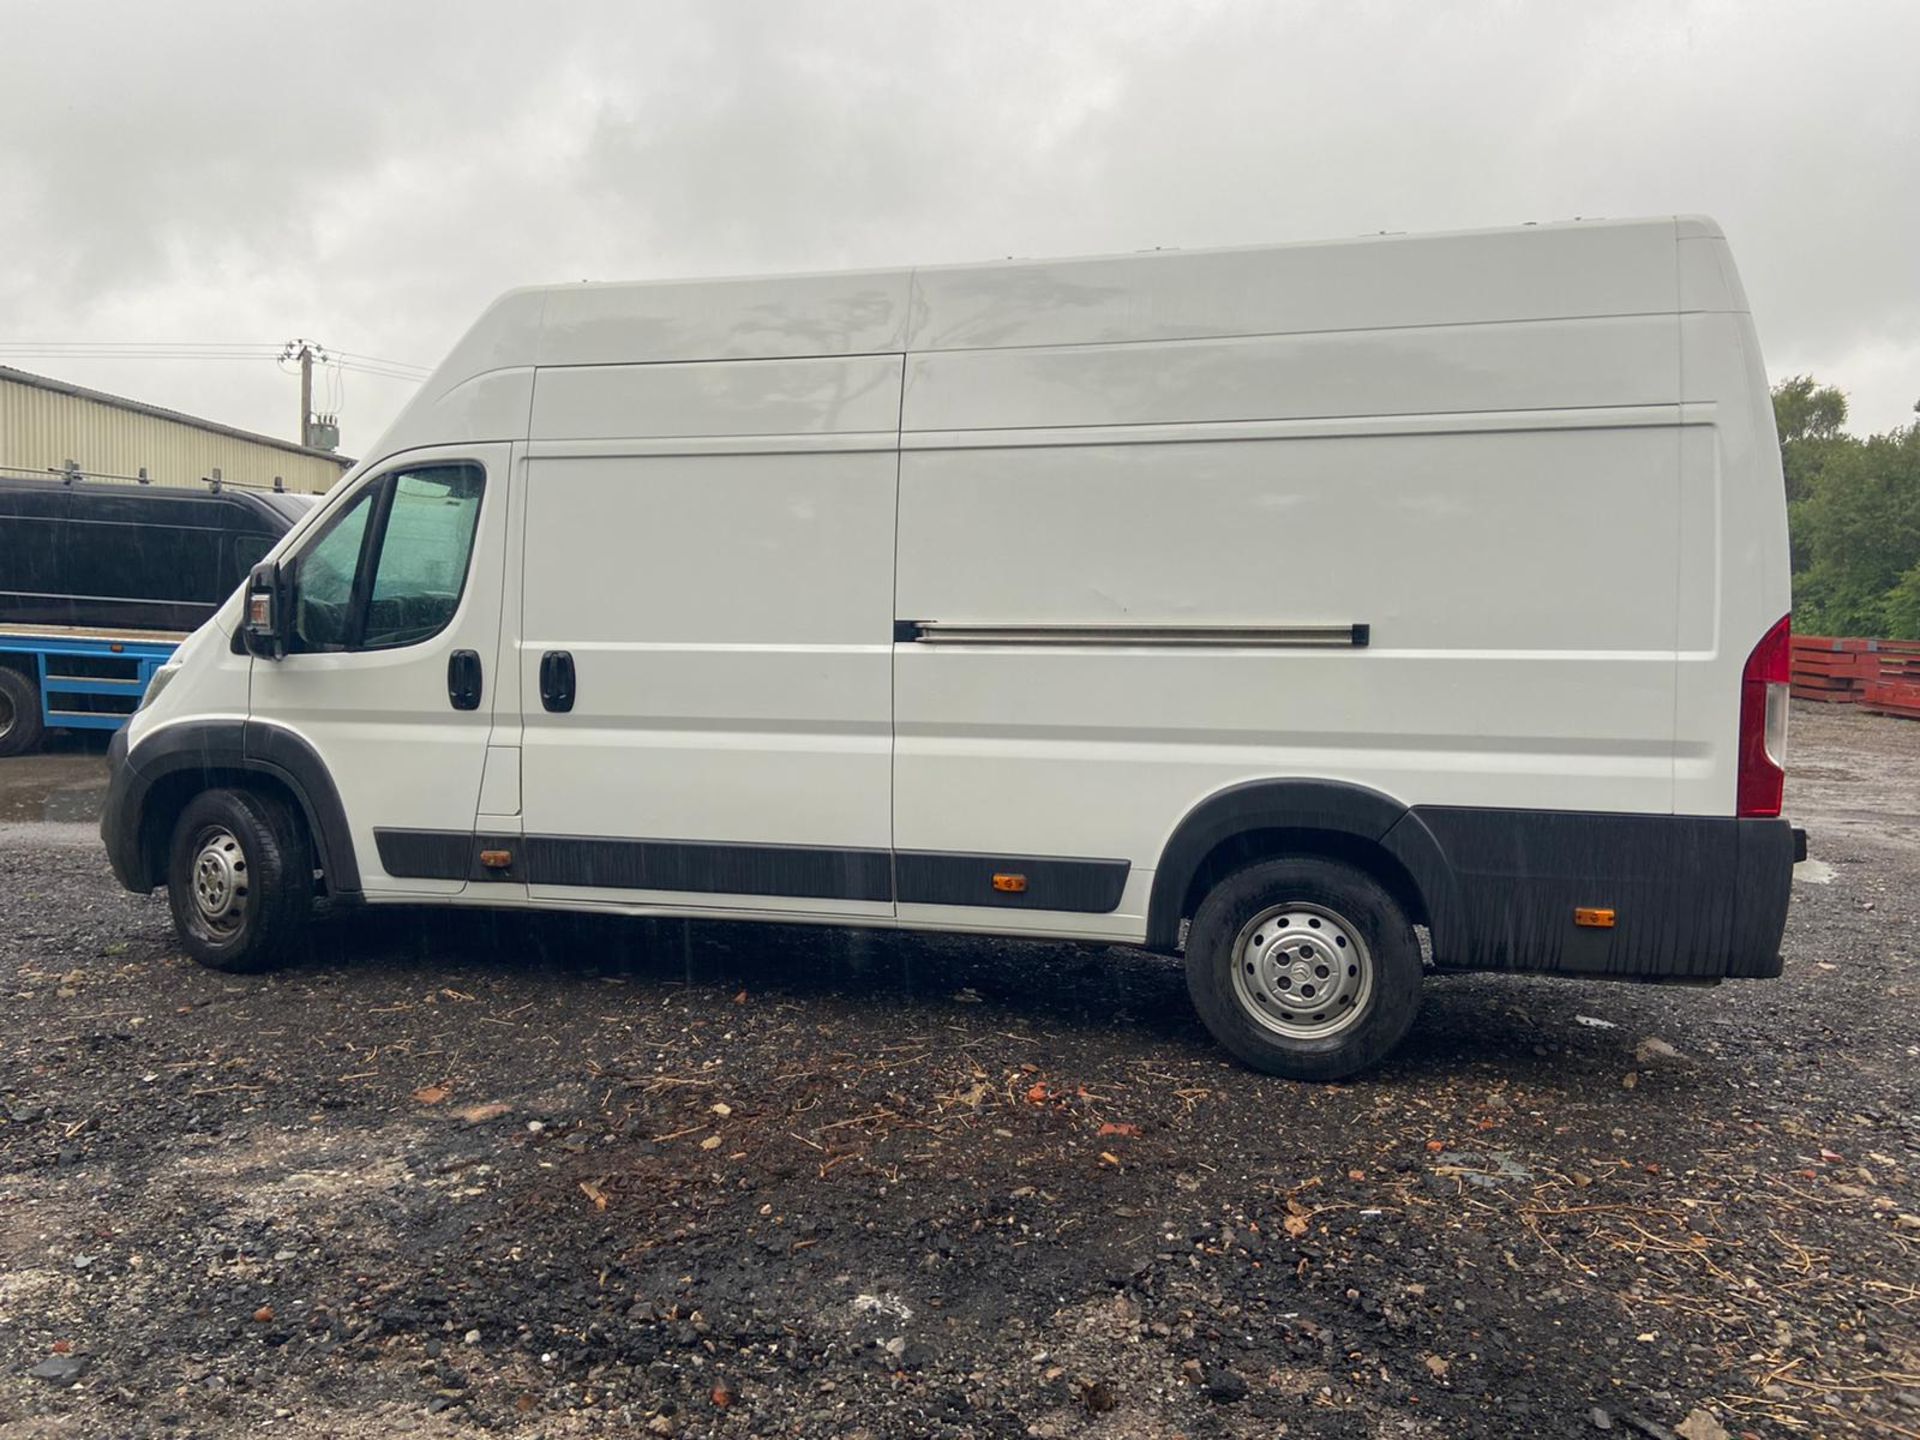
<point x="1302" y="971"/>
<point x="220" y="881"/>
<point x="7" y="715"/>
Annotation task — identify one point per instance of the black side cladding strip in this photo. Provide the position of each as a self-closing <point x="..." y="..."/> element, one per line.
<point x="424" y="854"/>
<point x="793" y="871"/>
<point x="934" y="877"/>
<point x="682" y="865"/>
<point x="688" y="865"/>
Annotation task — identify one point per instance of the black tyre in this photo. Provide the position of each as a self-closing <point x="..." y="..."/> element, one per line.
<point x="1304" y="968"/>
<point x="20" y="723"/>
<point x="240" y="880"/>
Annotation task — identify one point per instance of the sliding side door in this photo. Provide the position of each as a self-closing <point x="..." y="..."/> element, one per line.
<point x="706" y="635"/>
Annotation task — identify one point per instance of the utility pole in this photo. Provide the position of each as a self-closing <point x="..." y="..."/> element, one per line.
<point x="306" y="352"/>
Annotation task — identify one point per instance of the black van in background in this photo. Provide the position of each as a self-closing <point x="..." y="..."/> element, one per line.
<point x="115" y="556"/>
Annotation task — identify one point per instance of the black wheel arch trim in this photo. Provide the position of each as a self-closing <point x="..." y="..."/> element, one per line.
<point x="1691" y="897"/>
<point x="214" y="747"/>
<point x="1328" y="806"/>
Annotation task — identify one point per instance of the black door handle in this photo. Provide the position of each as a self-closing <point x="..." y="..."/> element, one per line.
<point x="556" y="681"/>
<point x="463" y="679"/>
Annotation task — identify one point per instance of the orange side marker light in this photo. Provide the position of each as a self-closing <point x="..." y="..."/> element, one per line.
<point x="1593" y="917"/>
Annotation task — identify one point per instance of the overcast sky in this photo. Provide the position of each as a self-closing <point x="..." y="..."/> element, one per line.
<point x="371" y="174"/>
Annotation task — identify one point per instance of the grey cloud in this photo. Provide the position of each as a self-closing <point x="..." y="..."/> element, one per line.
<point x="374" y="173"/>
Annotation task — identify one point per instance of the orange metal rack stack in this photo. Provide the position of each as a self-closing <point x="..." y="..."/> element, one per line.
<point x="1897" y="690"/>
<point x="1881" y="676"/>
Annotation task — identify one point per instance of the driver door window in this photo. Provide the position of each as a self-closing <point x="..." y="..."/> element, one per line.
<point x="389" y="571"/>
<point x="323" y="579"/>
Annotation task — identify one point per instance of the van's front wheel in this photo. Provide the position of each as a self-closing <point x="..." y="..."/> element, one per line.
<point x="1304" y="968"/>
<point x="239" y="880"/>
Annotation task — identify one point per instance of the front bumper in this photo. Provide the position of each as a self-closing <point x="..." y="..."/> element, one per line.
<point x="120" y="818"/>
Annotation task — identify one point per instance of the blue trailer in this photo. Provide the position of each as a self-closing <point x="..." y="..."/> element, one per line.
<point x="73" y="678"/>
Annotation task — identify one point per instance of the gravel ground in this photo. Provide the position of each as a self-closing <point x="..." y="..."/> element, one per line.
<point x="558" y="1178"/>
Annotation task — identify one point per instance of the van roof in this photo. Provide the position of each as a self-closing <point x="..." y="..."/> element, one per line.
<point x="1535" y="271"/>
<point x="1532" y="272"/>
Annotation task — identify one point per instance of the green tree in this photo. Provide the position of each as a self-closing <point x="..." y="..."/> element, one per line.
<point x="1858" y="531"/>
<point x="1808" y="417"/>
<point x="1903" y="607"/>
<point x="1804" y="409"/>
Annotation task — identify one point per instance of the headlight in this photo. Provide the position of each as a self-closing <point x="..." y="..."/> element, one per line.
<point x="162" y="678"/>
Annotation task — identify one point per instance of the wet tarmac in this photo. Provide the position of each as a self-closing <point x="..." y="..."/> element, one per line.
<point x="65" y="783"/>
<point x="862" y="1182"/>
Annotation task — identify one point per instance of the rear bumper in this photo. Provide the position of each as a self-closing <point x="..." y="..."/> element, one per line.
<point x="1694" y="897"/>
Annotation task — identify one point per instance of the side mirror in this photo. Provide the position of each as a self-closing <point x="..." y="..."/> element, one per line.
<point x="264" y="629"/>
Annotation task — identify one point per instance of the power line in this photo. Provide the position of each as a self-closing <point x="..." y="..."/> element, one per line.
<point x="307" y="353"/>
<point x="194" y="350"/>
<point x="377" y="360"/>
<point x="148" y="351"/>
<point x="130" y="351"/>
<point x="141" y="344"/>
<point x="413" y="376"/>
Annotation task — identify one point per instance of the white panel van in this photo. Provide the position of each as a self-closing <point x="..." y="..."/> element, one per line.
<point x="1267" y="606"/>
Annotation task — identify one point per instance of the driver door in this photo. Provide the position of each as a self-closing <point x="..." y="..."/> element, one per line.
<point x="395" y="599"/>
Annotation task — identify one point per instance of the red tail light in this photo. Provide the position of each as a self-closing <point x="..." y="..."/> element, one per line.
<point x="1763" y="722"/>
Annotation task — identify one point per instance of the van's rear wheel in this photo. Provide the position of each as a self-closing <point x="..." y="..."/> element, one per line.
<point x="239" y="880"/>
<point x="20" y="723"/>
<point x="1304" y="968"/>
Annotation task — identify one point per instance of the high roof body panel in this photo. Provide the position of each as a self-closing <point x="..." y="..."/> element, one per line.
<point x="483" y="390"/>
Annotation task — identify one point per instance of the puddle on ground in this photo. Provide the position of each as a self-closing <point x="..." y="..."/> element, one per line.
<point x="61" y="788"/>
